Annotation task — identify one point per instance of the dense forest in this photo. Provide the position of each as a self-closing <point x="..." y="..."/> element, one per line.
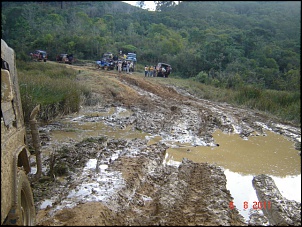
<point x="226" y="44"/>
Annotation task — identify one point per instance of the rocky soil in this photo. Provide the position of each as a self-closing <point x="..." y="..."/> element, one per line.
<point x="128" y="181"/>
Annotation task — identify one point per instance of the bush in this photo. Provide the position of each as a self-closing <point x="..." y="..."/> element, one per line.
<point x="202" y="77"/>
<point x="283" y="104"/>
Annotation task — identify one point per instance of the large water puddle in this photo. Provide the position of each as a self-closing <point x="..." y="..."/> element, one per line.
<point x="241" y="159"/>
<point x="89" y="124"/>
<point x="272" y="154"/>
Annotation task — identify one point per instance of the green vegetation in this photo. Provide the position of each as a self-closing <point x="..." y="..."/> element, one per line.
<point x="245" y="48"/>
<point x="54" y="87"/>
<point x="284" y="105"/>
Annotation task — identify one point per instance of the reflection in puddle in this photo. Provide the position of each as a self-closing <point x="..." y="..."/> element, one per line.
<point x="95" y="129"/>
<point x="241" y="189"/>
<point x="242" y="159"/>
<point x="272" y="154"/>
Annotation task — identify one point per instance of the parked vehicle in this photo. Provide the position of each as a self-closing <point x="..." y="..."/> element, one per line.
<point x="106" y="64"/>
<point x="108" y="55"/>
<point x="65" y="58"/>
<point x="131" y="57"/>
<point x="39" y="55"/>
<point x="17" y="204"/>
<point x="163" y="70"/>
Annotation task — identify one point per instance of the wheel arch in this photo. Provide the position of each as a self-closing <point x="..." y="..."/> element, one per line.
<point x="21" y="187"/>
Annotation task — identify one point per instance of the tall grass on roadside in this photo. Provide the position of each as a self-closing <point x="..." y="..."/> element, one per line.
<point x="52" y="86"/>
<point x="283" y="104"/>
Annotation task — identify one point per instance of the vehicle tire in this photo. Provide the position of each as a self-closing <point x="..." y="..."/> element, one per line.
<point x="44" y="60"/>
<point x="25" y="203"/>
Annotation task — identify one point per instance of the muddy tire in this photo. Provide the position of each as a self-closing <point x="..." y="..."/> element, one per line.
<point x="23" y="211"/>
<point x="25" y="203"/>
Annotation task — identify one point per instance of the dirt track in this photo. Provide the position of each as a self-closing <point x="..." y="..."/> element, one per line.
<point x="149" y="191"/>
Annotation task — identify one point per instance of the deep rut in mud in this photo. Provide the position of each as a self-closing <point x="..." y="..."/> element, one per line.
<point x="128" y="181"/>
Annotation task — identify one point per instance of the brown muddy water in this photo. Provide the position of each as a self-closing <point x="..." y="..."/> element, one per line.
<point x="241" y="159"/>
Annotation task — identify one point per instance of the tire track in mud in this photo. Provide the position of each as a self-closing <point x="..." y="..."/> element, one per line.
<point x="211" y="115"/>
<point x="155" y="193"/>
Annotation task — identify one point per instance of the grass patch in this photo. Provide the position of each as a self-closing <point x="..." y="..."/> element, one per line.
<point x="55" y="87"/>
<point x="284" y="105"/>
<point x="52" y="86"/>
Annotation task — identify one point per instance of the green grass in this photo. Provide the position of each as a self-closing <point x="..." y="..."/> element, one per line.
<point x="284" y="105"/>
<point x="54" y="87"/>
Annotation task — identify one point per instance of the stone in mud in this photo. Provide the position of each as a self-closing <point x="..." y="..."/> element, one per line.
<point x="281" y="211"/>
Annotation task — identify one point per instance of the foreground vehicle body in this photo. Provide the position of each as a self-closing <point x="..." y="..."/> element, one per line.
<point x="17" y="204"/>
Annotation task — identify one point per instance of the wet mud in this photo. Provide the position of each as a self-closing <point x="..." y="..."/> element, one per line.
<point x="104" y="179"/>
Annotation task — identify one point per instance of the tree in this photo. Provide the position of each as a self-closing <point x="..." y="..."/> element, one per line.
<point x="140" y="4"/>
<point x="164" y="5"/>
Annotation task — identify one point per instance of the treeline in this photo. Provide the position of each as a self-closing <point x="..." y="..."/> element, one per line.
<point x="225" y="44"/>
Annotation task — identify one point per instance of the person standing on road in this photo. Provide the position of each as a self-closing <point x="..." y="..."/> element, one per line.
<point x="151" y="69"/>
<point x="163" y="71"/>
<point x="131" y="68"/>
<point x="154" y="71"/>
<point x="124" y="66"/>
<point x="119" y="66"/>
<point x="146" y="70"/>
<point x="128" y="67"/>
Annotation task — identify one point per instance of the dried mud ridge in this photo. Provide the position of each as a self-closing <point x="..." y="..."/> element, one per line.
<point x="143" y="190"/>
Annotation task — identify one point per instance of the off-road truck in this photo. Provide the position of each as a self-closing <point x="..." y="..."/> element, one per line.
<point x="17" y="204"/>
<point x="39" y="55"/>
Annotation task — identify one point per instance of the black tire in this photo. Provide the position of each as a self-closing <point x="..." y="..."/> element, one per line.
<point x="25" y="202"/>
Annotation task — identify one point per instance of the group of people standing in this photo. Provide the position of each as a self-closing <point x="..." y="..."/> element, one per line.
<point x="125" y="66"/>
<point x="157" y="71"/>
<point x="150" y="71"/>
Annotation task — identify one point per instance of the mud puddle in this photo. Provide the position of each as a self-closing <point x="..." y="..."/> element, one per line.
<point x="241" y="158"/>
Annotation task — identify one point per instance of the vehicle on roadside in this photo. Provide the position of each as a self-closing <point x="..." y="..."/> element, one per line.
<point x="39" y="55"/>
<point x="131" y="57"/>
<point x="108" y="55"/>
<point x="17" y="204"/>
<point x="65" y="58"/>
<point x="163" y="69"/>
<point x="106" y="64"/>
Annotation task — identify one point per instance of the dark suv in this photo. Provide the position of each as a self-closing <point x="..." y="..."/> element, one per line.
<point x="65" y="58"/>
<point x="163" y="70"/>
<point x="39" y="55"/>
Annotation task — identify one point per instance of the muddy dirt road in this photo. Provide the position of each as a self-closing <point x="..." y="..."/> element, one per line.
<point x="107" y="180"/>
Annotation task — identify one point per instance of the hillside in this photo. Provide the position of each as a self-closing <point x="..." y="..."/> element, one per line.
<point x="225" y="44"/>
